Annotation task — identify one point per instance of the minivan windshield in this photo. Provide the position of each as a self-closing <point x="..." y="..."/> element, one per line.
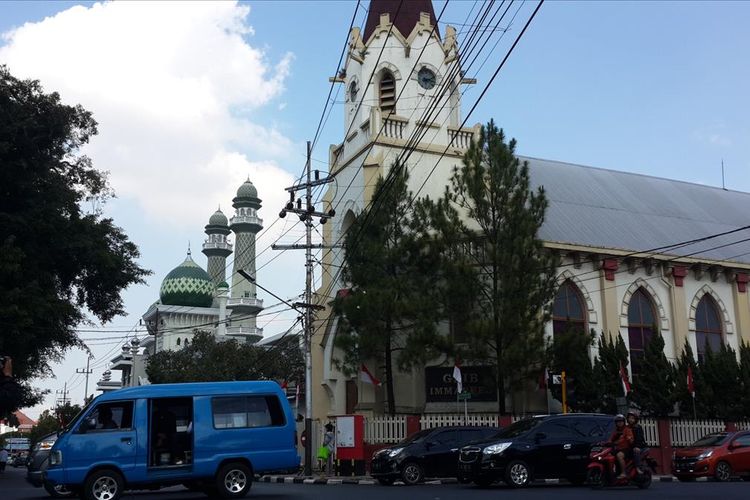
<point x="78" y="416"/>
<point x="518" y="428"/>
<point x="711" y="440"/>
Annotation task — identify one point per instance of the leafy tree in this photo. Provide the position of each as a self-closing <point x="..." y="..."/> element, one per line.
<point x="206" y="360"/>
<point x="682" y="394"/>
<point x="745" y="379"/>
<point x="389" y="316"/>
<point x="494" y="207"/>
<point x="612" y="355"/>
<point x="569" y="351"/>
<point x="654" y="388"/>
<point x="721" y="371"/>
<point x="47" y="423"/>
<point x="58" y="262"/>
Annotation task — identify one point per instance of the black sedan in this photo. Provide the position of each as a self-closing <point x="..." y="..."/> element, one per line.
<point x="37" y="463"/>
<point x="428" y="453"/>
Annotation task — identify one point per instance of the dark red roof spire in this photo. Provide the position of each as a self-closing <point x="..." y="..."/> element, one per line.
<point x="407" y="18"/>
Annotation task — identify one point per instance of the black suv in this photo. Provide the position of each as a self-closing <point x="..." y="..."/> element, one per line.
<point x="428" y="453"/>
<point x="542" y="447"/>
<point x="37" y="463"/>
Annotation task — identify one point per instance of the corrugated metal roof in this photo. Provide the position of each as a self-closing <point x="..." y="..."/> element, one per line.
<point x="634" y="212"/>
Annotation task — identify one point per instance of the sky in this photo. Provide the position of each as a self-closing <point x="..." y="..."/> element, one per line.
<point x="193" y="98"/>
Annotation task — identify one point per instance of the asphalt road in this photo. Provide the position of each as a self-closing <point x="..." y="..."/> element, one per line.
<point x="14" y="487"/>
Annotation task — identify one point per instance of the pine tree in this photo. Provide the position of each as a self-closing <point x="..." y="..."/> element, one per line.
<point x="744" y="376"/>
<point x="569" y="351"/>
<point x="501" y="217"/>
<point x="654" y="388"/>
<point x="682" y="395"/>
<point x="720" y="372"/>
<point x="612" y="355"/>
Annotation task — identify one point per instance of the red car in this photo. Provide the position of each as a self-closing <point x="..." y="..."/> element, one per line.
<point x="720" y="455"/>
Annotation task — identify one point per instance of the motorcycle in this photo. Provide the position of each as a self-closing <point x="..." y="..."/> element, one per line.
<point x="602" y="471"/>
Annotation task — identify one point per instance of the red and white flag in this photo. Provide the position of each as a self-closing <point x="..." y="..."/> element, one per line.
<point x="284" y="385"/>
<point x="690" y="382"/>
<point x="458" y="378"/>
<point x="625" y="381"/>
<point x="543" y="379"/>
<point x="367" y="377"/>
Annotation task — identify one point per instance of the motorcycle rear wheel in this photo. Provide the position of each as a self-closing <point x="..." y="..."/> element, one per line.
<point x="595" y="478"/>
<point x="643" y="481"/>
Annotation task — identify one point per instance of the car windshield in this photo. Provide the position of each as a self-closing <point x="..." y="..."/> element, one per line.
<point x="416" y="437"/>
<point x="78" y="416"/>
<point x="518" y="428"/>
<point x="711" y="440"/>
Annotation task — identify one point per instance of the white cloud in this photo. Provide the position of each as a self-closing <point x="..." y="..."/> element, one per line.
<point x="174" y="87"/>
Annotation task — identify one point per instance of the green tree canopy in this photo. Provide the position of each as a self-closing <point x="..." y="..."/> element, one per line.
<point x="570" y="351"/>
<point x="654" y="388"/>
<point x="60" y="261"/>
<point x="612" y="355"/>
<point x="206" y="360"/>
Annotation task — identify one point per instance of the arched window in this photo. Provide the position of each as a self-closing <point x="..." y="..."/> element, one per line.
<point x="187" y="342"/>
<point x="387" y="92"/>
<point x="568" y="311"/>
<point x="708" y="329"/>
<point x="641" y="325"/>
<point x="178" y="340"/>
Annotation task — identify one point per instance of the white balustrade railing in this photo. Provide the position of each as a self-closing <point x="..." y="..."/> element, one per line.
<point x="393" y="128"/>
<point x="460" y="137"/>
<point x="743" y="426"/>
<point x="686" y="432"/>
<point x="441" y="419"/>
<point x="650" y="431"/>
<point x="385" y="429"/>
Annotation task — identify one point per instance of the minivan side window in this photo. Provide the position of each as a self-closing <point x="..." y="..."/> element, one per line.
<point x="247" y="411"/>
<point x="112" y="416"/>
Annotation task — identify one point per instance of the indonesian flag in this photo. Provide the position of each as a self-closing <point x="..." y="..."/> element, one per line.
<point x="367" y="377"/>
<point x="543" y="379"/>
<point x="457" y="377"/>
<point x="284" y="385"/>
<point x="625" y="382"/>
<point x="690" y="383"/>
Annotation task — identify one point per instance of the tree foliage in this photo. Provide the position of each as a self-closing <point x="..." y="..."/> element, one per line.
<point x="388" y="316"/>
<point x="206" y="360"/>
<point x="744" y="376"/>
<point x="495" y="208"/>
<point x="59" y="262"/>
<point x="612" y="355"/>
<point x="569" y="351"/>
<point x="654" y="388"/>
<point x="49" y="422"/>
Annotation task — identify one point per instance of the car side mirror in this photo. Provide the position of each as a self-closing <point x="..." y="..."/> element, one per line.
<point x="87" y="425"/>
<point x="734" y="445"/>
<point x="430" y="444"/>
<point x="539" y="436"/>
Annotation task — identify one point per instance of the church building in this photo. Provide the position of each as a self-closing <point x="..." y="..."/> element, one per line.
<point x="604" y="224"/>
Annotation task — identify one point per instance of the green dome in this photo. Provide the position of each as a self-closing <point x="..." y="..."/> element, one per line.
<point x="223" y="284"/>
<point x="187" y="285"/>
<point x="247" y="190"/>
<point x="218" y="219"/>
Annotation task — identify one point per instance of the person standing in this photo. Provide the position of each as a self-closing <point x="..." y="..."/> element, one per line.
<point x="329" y="443"/>
<point x="639" y="439"/>
<point x="3" y="459"/>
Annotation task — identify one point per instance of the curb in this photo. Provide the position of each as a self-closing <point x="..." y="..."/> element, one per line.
<point x="368" y="481"/>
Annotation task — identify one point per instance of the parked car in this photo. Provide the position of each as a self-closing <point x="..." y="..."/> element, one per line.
<point x="541" y="447"/>
<point x="720" y="455"/>
<point x="213" y="436"/>
<point x="428" y="453"/>
<point x="36" y="464"/>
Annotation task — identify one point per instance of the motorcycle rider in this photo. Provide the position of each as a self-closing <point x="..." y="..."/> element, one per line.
<point x="622" y="442"/>
<point x="639" y="439"/>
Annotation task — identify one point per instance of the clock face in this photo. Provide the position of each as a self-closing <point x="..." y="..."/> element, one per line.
<point x="353" y="91"/>
<point x="426" y="78"/>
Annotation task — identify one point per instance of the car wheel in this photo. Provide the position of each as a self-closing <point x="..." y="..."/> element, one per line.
<point x="234" y="480"/>
<point x="517" y="474"/>
<point x="685" y="479"/>
<point x="723" y="472"/>
<point x="386" y="481"/>
<point x="412" y="473"/>
<point x="58" y="491"/>
<point x="104" y="484"/>
<point x="595" y="478"/>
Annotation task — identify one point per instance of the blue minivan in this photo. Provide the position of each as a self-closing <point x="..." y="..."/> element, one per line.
<point x="210" y="436"/>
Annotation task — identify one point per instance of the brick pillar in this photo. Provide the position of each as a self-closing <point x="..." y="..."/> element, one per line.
<point x="731" y="426"/>
<point x="504" y="420"/>
<point x="412" y="425"/>
<point x="664" y="457"/>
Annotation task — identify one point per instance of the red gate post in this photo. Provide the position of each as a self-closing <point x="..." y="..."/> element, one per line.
<point x="412" y="425"/>
<point x="665" y="445"/>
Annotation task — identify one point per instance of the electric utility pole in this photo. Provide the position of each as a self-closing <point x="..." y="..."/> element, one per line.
<point x="64" y="393"/>
<point x="87" y="371"/>
<point x="306" y="215"/>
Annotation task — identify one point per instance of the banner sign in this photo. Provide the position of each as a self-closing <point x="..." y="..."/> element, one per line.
<point x="479" y="381"/>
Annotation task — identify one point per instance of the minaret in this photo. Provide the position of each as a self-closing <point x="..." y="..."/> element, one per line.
<point x="243" y="303"/>
<point x="216" y="247"/>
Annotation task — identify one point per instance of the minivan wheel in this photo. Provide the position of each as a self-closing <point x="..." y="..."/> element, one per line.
<point x="104" y="484"/>
<point x="517" y="474"/>
<point x="412" y="473"/>
<point x="723" y="472"/>
<point x="234" y="480"/>
<point x="58" y="491"/>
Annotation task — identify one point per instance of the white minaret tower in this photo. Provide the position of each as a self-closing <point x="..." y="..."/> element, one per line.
<point x="216" y="247"/>
<point x="243" y="302"/>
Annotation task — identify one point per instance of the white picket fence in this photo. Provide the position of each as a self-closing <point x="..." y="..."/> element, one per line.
<point x="743" y="426"/>
<point x="686" y="432"/>
<point x="650" y="431"/>
<point x="441" y="419"/>
<point x="385" y="429"/>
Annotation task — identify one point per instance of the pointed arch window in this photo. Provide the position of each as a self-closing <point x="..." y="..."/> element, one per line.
<point x="387" y="92"/>
<point x="178" y="340"/>
<point x="708" y="330"/>
<point x="568" y="310"/>
<point x="641" y="327"/>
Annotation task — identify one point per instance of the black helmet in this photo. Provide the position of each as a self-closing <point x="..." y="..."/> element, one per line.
<point x="634" y="413"/>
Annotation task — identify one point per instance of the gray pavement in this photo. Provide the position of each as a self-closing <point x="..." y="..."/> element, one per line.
<point x="14" y="487"/>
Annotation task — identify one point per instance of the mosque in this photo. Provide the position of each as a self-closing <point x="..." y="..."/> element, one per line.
<point x="191" y="298"/>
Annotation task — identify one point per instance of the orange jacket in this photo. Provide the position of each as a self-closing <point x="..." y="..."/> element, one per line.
<point x="623" y="440"/>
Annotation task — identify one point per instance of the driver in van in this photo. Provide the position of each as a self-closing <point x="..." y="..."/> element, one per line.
<point x="105" y="418"/>
<point x="622" y="441"/>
